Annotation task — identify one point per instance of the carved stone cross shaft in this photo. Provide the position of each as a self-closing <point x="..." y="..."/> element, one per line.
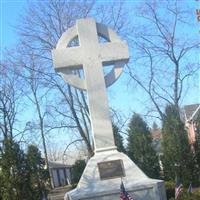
<point x="92" y="56"/>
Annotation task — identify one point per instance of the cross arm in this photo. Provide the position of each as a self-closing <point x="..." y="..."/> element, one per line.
<point x="68" y="58"/>
<point x="113" y="51"/>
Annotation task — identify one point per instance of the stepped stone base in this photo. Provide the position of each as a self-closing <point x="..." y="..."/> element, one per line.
<point x="58" y="193"/>
<point x="92" y="187"/>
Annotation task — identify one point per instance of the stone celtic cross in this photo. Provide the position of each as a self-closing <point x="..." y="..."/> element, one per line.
<point x="91" y="55"/>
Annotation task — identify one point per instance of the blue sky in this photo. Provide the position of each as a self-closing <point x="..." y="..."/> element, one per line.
<point x="10" y="11"/>
<point x="10" y="15"/>
<point x="121" y="96"/>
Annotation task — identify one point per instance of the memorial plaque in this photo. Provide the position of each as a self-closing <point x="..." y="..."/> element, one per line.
<point x="111" y="169"/>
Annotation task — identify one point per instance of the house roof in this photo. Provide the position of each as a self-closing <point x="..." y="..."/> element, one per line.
<point x="53" y="164"/>
<point x="191" y="111"/>
<point x="156" y="134"/>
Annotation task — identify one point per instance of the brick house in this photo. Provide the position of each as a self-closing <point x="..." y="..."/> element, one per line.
<point x="190" y="116"/>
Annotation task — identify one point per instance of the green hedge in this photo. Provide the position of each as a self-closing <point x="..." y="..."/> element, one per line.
<point x="169" y="186"/>
<point x="185" y="196"/>
<point x="170" y="191"/>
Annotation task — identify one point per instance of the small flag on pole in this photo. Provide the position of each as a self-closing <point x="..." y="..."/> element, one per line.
<point x="124" y="195"/>
<point x="178" y="188"/>
<point x="190" y="188"/>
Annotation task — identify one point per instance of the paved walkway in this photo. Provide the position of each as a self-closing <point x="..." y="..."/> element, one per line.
<point x="58" y="193"/>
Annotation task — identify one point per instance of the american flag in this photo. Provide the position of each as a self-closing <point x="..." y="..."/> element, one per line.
<point x="190" y="188"/>
<point x="124" y="195"/>
<point x="178" y="188"/>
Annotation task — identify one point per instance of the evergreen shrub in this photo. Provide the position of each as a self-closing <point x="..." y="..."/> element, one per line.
<point x="186" y="196"/>
<point x="170" y="189"/>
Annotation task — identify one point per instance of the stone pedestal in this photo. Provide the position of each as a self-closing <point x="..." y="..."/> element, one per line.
<point x="93" y="187"/>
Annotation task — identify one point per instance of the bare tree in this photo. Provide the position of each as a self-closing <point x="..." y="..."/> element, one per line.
<point x="32" y="89"/>
<point x="10" y="96"/>
<point x="165" y="52"/>
<point x="40" y="30"/>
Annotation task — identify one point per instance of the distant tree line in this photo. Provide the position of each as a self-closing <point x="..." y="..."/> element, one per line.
<point x="23" y="175"/>
<point x="176" y="156"/>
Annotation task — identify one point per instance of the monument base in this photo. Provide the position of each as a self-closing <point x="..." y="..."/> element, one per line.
<point x="99" y="182"/>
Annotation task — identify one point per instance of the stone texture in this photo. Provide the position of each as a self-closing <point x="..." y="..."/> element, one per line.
<point x="67" y="58"/>
<point x="92" y="55"/>
<point x="136" y="182"/>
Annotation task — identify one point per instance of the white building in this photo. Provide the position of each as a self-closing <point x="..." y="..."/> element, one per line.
<point x="60" y="174"/>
